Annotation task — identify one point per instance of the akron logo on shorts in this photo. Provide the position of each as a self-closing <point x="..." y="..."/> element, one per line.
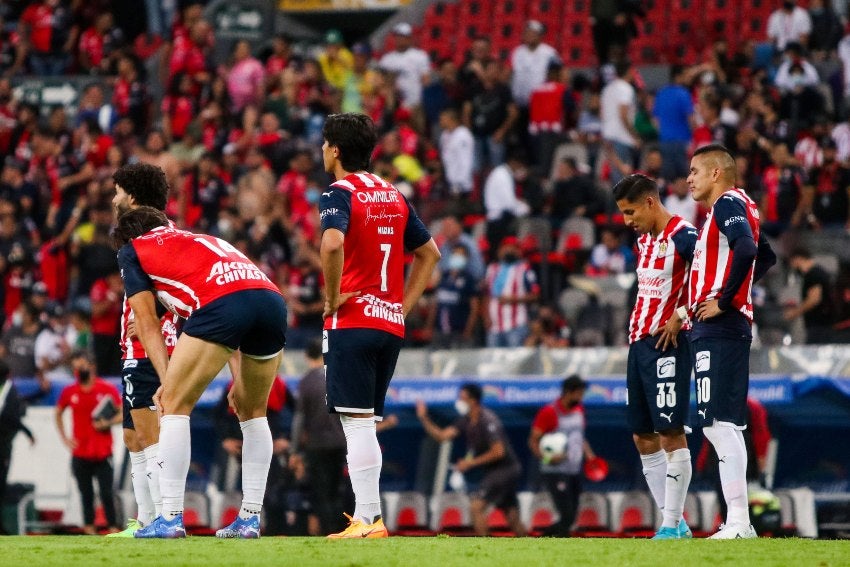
<point x="703" y="361"/>
<point x="666" y="367"/>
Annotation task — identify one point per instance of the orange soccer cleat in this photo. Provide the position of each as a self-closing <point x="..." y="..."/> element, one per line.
<point x="357" y="529"/>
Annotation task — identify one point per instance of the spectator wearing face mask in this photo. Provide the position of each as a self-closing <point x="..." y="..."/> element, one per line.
<point x="510" y="286"/>
<point x="455" y="313"/>
<point x="90" y="440"/>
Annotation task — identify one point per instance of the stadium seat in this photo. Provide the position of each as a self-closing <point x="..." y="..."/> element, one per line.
<point x="542" y="512"/>
<point x="594" y="516"/>
<point x="411" y="515"/>
<point x="498" y="523"/>
<point x="787" y="511"/>
<point x="693" y="513"/>
<point x="636" y="517"/>
<point x="196" y="511"/>
<point x="577" y="233"/>
<point x="450" y="513"/>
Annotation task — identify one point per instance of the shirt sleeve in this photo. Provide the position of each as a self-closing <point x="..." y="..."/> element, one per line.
<point x="685" y="241"/>
<point x="731" y="218"/>
<point x="335" y="209"/>
<point x="135" y="278"/>
<point x="546" y="420"/>
<point x="62" y="402"/>
<point x="415" y="233"/>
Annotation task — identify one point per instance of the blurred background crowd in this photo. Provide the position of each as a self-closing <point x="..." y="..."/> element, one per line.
<point x="508" y="151"/>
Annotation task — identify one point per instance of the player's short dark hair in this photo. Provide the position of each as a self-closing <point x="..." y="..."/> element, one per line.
<point x="473" y="390"/>
<point x="573" y="383"/>
<point x="145" y="183"/>
<point x="137" y="222"/>
<point x="355" y="136"/>
<point x="633" y="187"/>
<point x="314" y="349"/>
<point x="713" y="148"/>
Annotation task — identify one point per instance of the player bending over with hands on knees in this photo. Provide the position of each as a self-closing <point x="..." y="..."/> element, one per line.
<point x="228" y="304"/>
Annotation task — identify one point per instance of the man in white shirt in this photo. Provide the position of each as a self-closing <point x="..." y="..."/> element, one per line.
<point x="501" y="202"/>
<point x="790" y="23"/>
<point x="618" y="105"/>
<point x="529" y="62"/>
<point x="410" y="65"/>
<point x="457" y="150"/>
<point x="795" y="71"/>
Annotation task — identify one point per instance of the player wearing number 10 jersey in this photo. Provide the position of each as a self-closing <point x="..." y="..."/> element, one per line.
<point x="228" y="304"/>
<point x="366" y="227"/>
<point x="729" y="256"/>
<point x="658" y="376"/>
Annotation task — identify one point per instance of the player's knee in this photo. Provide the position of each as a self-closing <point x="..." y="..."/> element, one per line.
<point x="673" y="439"/>
<point x="131" y="440"/>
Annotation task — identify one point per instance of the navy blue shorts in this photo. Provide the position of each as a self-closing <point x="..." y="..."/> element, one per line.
<point x="359" y="364"/>
<point x="139" y="382"/>
<point x="722" y="369"/>
<point x="251" y="320"/>
<point x="659" y="385"/>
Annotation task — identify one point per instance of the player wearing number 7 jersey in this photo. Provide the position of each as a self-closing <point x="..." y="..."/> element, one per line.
<point x="658" y="375"/>
<point x="367" y="226"/>
<point x="228" y="304"/>
<point x="729" y="256"/>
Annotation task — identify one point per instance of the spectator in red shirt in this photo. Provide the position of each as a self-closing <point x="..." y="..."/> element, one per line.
<point x="179" y="107"/>
<point x="99" y="44"/>
<point x="279" y="58"/>
<point x="90" y="441"/>
<point x="189" y="54"/>
<point x="50" y="32"/>
<point x="106" y="295"/>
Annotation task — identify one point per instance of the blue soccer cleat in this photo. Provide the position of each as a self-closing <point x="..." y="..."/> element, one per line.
<point x="163" y="529"/>
<point x="682" y="531"/>
<point x="241" y="528"/>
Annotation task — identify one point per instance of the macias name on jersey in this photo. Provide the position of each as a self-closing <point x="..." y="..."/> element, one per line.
<point x="380" y="309"/>
<point x="227" y="272"/>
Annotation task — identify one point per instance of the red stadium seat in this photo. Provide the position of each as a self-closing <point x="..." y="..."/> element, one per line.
<point x="593" y="519"/>
<point x="543" y="512"/>
<point x="451" y="513"/>
<point x="637" y="514"/>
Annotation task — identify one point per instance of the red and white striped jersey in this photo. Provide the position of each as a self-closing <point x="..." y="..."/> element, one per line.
<point x="512" y="280"/>
<point x="379" y="224"/>
<point x="131" y="347"/>
<point x="713" y="255"/>
<point x="662" y="273"/>
<point x="185" y="270"/>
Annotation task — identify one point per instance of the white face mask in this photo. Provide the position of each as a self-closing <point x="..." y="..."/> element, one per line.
<point x="461" y="407"/>
<point x="17" y="319"/>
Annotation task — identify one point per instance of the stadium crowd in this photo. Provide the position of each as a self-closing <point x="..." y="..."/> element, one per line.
<point x="510" y="159"/>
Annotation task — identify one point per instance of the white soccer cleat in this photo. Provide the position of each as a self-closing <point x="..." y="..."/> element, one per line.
<point x="735" y="531"/>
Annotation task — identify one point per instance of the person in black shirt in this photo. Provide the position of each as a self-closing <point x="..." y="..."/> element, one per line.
<point x="817" y="307"/>
<point x="827" y="191"/>
<point x="488" y="448"/>
<point x="573" y="194"/>
<point x="490" y="114"/>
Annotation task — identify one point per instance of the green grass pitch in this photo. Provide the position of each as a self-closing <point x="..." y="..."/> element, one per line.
<point x="68" y="551"/>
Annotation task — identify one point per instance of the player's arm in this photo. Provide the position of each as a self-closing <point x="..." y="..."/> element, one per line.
<point x="684" y="242"/>
<point x="495" y="453"/>
<point x="425" y="258"/>
<point x="765" y="259"/>
<point x="730" y="216"/>
<point x="334" y="212"/>
<point x="432" y="429"/>
<point x="534" y="442"/>
<point x="138" y="288"/>
<point x="545" y="421"/>
<point x="69" y="442"/>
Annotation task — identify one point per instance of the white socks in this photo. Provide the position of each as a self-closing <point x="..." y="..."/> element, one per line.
<point x="654" y="470"/>
<point x="138" y="474"/>
<point x="678" y="478"/>
<point x="364" y="466"/>
<point x="257" y="452"/>
<point x="152" y="477"/>
<point x="175" y="453"/>
<point x="728" y="442"/>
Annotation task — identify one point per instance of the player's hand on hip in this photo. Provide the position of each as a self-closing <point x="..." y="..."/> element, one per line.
<point x="707" y="310"/>
<point x="331" y="308"/>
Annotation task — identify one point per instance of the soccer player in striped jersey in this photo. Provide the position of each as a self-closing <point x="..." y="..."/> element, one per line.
<point x="729" y="256"/>
<point x="658" y="375"/>
<point x="366" y="227"/>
